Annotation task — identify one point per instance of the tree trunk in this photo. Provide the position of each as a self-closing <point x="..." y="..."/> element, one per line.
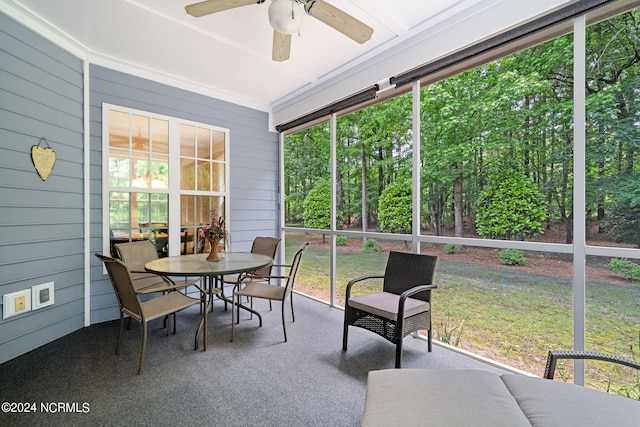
<point x="458" y="208"/>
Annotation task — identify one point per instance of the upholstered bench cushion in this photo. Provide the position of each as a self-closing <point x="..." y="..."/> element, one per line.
<point x="552" y="403"/>
<point x="459" y="397"/>
<point x="439" y="397"/>
<point x="385" y="304"/>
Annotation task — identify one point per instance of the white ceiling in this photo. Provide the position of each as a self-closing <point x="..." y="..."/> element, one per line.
<point x="228" y="54"/>
<point x="230" y="51"/>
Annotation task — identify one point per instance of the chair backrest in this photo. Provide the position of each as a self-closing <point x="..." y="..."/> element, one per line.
<point x="185" y="239"/>
<point x="405" y="271"/>
<point x="135" y="255"/>
<point x="123" y="286"/>
<point x="293" y="271"/>
<point x="265" y="246"/>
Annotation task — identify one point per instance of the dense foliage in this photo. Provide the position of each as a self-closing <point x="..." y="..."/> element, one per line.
<point x="520" y="108"/>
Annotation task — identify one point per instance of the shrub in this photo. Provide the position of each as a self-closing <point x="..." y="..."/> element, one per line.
<point x="510" y="208"/>
<point x="511" y="257"/>
<point x="341" y="240"/>
<point x="394" y="208"/>
<point x="629" y="270"/>
<point x="450" y="248"/>
<point x="317" y="204"/>
<point x="371" y="246"/>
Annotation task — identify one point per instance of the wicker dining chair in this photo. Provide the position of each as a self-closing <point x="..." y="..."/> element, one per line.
<point x="403" y="306"/>
<point x="145" y="311"/>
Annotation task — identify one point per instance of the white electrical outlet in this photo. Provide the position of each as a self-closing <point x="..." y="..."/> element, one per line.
<point x="42" y="295"/>
<point x="16" y="303"/>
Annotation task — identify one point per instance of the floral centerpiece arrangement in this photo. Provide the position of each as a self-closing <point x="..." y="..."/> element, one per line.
<point x="214" y="233"/>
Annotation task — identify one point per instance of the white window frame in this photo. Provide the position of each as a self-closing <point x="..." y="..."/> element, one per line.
<point x="174" y="190"/>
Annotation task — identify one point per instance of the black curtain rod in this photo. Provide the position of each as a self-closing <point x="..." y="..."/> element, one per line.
<point x="540" y="24"/>
<point x="343" y="104"/>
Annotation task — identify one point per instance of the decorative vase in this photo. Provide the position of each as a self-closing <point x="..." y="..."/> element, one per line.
<point x="214" y="255"/>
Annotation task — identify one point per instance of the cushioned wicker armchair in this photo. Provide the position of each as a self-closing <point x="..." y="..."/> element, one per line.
<point x="403" y="306"/>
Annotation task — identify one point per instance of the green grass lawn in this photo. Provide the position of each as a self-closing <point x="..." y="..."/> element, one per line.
<point x="500" y="313"/>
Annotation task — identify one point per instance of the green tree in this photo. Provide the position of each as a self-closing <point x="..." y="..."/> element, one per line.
<point x="317" y="213"/>
<point x="395" y="209"/>
<point x="511" y="207"/>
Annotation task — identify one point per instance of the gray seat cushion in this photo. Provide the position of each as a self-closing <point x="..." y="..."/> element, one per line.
<point x="439" y="397"/>
<point x="552" y="403"/>
<point x="385" y="304"/>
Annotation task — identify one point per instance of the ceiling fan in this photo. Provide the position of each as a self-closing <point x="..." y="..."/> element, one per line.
<point x="285" y="17"/>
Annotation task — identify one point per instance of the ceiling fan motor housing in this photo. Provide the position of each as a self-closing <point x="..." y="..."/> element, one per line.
<point x="285" y="16"/>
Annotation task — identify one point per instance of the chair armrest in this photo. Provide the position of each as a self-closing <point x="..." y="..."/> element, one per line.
<point x="173" y="287"/>
<point x="165" y="278"/>
<point x="553" y="357"/>
<point x="406" y="294"/>
<point x="360" y="279"/>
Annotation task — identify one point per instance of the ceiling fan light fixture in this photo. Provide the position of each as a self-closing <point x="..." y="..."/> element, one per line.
<point x="285" y="16"/>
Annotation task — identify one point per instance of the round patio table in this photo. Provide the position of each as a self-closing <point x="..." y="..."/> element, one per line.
<point x="198" y="266"/>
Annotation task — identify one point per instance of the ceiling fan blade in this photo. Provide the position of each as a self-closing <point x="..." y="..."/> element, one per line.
<point x="212" y="6"/>
<point x="281" y="46"/>
<point x="339" y="20"/>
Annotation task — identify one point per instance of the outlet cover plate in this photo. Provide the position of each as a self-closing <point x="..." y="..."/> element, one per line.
<point x="42" y="295"/>
<point x="9" y="308"/>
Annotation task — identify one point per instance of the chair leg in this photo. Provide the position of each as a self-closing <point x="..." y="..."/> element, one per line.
<point x="398" y="353"/>
<point x="144" y="346"/>
<point x="284" y="325"/>
<point x="120" y="332"/>
<point x="293" y="316"/>
<point x="175" y="325"/>
<point x="345" y="331"/>
<point x="233" y="314"/>
<point x="429" y="340"/>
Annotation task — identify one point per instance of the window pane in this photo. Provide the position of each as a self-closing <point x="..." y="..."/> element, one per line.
<point x="218" y="146"/>
<point x="187" y="174"/>
<point x="140" y="171"/>
<point x="204" y="175"/>
<point x="374" y="162"/>
<point x="140" y="133"/>
<point x="203" y="148"/>
<point x="119" y="130"/>
<point x="612" y="321"/>
<point x="187" y="141"/>
<point x="217" y="178"/>
<point x="496" y="148"/>
<point x="160" y="136"/>
<point x="613" y="107"/>
<point x="119" y="168"/>
<point x="513" y="314"/>
<point x="160" y="171"/>
<point x="307" y="173"/>
<point x="195" y="212"/>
